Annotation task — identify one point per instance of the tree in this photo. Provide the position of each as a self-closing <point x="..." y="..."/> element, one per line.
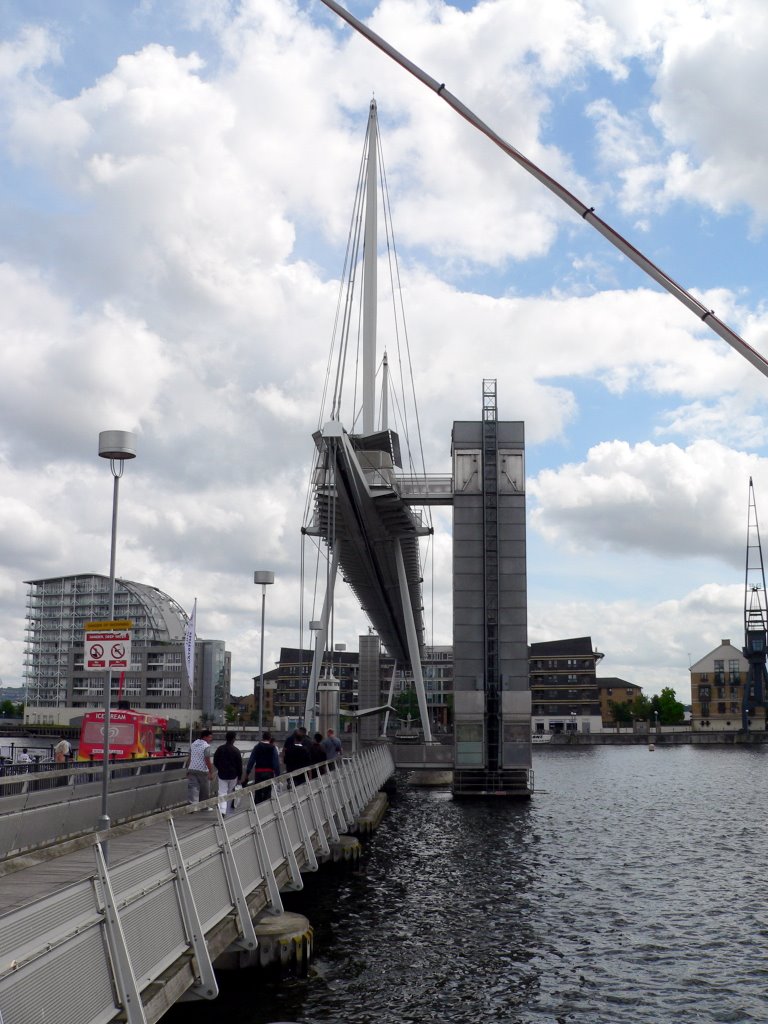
<point x="620" y="712"/>
<point x="406" y="703"/>
<point x="671" y="711"/>
<point x="641" y="708"/>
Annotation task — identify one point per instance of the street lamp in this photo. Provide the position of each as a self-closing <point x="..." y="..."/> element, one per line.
<point x="264" y="578"/>
<point x="117" y="446"/>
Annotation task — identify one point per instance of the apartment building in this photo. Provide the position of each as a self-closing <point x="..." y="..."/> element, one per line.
<point x="57" y="687"/>
<point x="613" y="690"/>
<point x="564" y="690"/>
<point x="717" y="691"/>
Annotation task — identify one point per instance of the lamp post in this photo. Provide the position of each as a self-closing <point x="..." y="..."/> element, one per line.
<point x="117" y="446"/>
<point x="264" y="577"/>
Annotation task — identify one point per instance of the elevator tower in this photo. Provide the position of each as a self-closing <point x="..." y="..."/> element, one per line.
<point x="492" y="697"/>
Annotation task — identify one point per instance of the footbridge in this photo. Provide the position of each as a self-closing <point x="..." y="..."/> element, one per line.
<point x="370" y="507"/>
<point x="119" y="926"/>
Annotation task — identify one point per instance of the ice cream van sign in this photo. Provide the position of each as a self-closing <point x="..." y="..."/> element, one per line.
<point x="107" y="646"/>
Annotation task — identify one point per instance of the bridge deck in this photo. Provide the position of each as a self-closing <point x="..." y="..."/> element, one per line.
<point x="95" y="942"/>
<point x="37" y="874"/>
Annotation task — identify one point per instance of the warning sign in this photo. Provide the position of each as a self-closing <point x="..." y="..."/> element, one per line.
<point x="107" y="646"/>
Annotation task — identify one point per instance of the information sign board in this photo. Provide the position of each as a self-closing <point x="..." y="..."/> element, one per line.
<point x="107" y="646"/>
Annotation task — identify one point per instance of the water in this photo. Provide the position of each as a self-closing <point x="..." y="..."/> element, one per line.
<point x="630" y="889"/>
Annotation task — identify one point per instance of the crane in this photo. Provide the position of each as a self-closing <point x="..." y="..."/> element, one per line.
<point x="755" y="618"/>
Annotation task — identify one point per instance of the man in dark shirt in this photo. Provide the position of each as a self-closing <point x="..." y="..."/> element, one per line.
<point x="296" y="753"/>
<point x="265" y="764"/>
<point x="228" y="762"/>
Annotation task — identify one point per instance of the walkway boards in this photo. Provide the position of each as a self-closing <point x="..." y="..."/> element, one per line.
<point x="31" y="877"/>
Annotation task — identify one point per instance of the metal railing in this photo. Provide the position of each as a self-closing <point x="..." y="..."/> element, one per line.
<point x="54" y="802"/>
<point x="93" y="952"/>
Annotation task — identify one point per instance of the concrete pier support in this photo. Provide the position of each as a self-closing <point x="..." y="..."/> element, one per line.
<point x="430" y="777"/>
<point x="285" y="940"/>
<point x="346" y="850"/>
<point x="372" y="815"/>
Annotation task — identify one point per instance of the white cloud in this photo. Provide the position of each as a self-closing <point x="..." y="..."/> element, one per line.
<point x="650" y="644"/>
<point x="170" y="265"/>
<point x="707" y="61"/>
<point x="665" y="501"/>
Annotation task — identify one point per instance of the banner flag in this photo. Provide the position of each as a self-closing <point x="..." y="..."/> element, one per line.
<point x="189" y="646"/>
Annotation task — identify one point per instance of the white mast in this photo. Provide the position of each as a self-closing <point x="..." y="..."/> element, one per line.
<point x="370" y="246"/>
<point x="385" y="393"/>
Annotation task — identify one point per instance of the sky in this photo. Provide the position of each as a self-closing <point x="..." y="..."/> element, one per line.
<point x="176" y="188"/>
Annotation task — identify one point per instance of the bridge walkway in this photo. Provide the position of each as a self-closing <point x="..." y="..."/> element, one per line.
<point x="90" y="939"/>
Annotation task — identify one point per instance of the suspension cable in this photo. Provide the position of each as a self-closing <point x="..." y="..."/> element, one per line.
<point x="587" y="213"/>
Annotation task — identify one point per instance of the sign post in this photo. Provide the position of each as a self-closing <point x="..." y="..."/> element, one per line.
<point x="107" y="647"/>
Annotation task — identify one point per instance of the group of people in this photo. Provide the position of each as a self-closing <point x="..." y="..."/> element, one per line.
<point x="299" y="752"/>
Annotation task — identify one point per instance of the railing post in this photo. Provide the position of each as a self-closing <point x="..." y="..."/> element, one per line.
<point x="317" y="818"/>
<point x="249" y="940"/>
<point x="125" y="980"/>
<point x="262" y="853"/>
<point x="365" y="768"/>
<point x="326" y="788"/>
<point x="349" y="817"/>
<point x="309" y="849"/>
<point x="207" y="987"/>
<point x="336" y="796"/>
<point x="297" y="882"/>
<point x="355" y="786"/>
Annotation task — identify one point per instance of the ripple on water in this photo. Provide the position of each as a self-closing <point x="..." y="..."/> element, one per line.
<point x="629" y="891"/>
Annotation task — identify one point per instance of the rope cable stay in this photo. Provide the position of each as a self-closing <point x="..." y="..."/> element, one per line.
<point x="587" y="213"/>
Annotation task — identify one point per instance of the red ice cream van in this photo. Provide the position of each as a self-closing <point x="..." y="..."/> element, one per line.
<point x="132" y="735"/>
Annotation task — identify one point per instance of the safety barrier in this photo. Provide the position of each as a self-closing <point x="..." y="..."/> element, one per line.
<point x="94" y="951"/>
<point x="40" y="807"/>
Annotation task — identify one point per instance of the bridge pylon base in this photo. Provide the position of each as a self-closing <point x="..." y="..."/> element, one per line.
<point x="516" y="783"/>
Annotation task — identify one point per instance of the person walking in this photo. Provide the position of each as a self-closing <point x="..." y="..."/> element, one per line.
<point x="264" y="762"/>
<point x="316" y="753"/>
<point x="62" y="751"/>
<point x="23" y="757"/>
<point x="332" y="747"/>
<point x="228" y="762"/>
<point x="296" y="753"/>
<point x="61" y="754"/>
<point x="199" y="768"/>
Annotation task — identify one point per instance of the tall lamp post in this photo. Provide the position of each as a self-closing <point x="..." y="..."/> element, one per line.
<point x="263" y="577"/>
<point x="117" y="446"/>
